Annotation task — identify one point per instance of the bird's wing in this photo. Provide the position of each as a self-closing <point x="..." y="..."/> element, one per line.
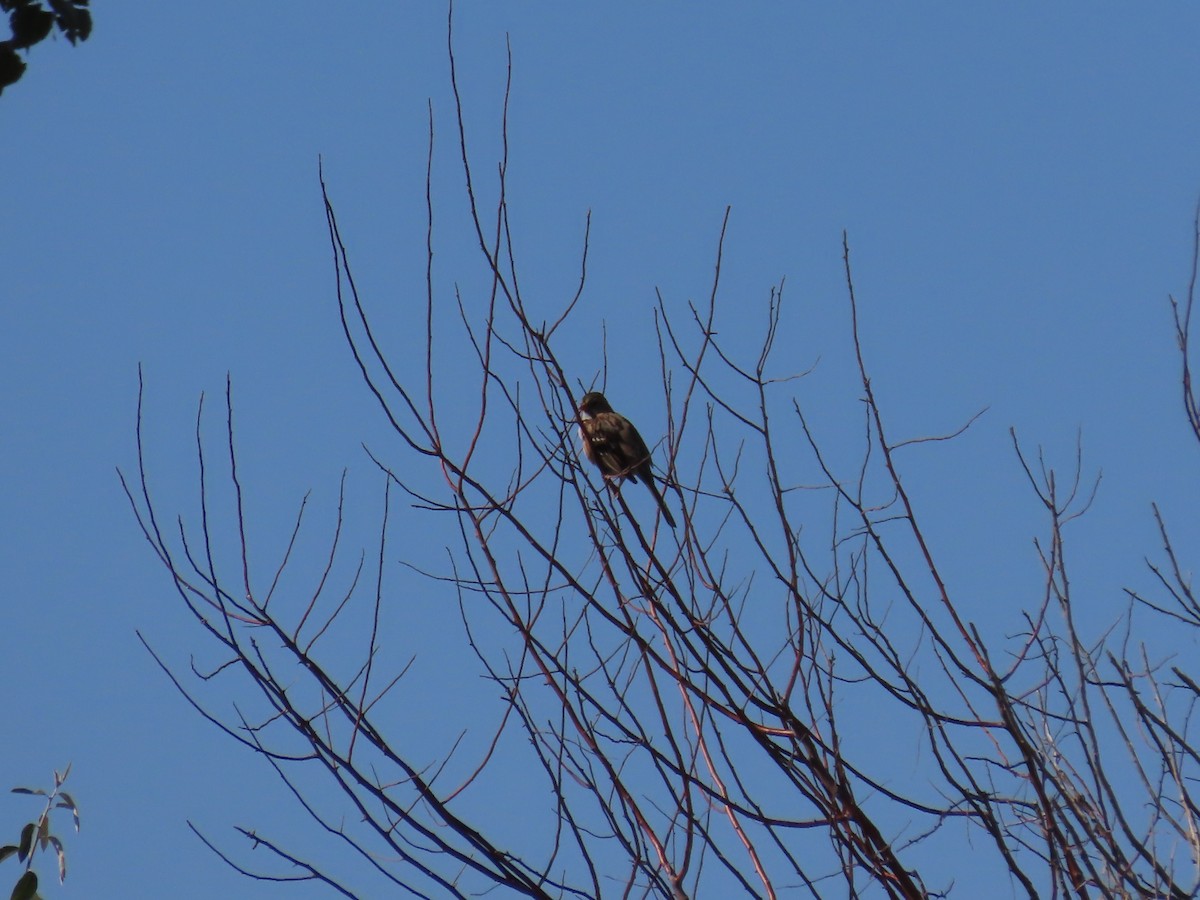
<point x="633" y="451"/>
<point x="603" y="444"/>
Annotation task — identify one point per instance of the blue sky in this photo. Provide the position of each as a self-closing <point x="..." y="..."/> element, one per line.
<point x="1018" y="185"/>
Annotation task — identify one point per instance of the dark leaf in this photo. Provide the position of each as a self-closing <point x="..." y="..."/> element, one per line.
<point x="26" y="888"/>
<point x="11" y="67"/>
<point x="81" y="29"/>
<point x="37" y="791"/>
<point x="75" y="24"/>
<point x="6" y="851"/>
<point x="29" y="25"/>
<point x="27" y="835"/>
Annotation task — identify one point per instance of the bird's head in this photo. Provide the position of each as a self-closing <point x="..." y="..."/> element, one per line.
<point x="592" y="404"/>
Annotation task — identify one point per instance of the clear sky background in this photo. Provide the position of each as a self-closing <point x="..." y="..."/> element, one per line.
<point x="1018" y="185"/>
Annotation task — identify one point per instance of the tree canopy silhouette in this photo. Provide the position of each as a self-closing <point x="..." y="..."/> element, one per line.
<point x="30" y="23"/>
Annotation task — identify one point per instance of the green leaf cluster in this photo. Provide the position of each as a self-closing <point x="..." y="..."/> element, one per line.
<point x="36" y="835"/>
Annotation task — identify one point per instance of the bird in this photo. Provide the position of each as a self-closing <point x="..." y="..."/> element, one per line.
<point x="614" y="446"/>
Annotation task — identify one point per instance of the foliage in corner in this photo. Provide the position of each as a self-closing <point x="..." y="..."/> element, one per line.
<point x="30" y="23"/>
<point x="36" y="836"/>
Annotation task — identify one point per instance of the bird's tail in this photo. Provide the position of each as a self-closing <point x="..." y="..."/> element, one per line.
<point x="662" y="504"/>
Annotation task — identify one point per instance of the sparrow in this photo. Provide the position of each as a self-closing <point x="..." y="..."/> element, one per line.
<point x="614" y="446"/>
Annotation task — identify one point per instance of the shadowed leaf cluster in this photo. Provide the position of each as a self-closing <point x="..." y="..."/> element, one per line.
<point x="31" y="22"/>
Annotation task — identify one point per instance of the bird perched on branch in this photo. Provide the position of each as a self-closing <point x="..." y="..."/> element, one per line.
<point x="612" y="443"/>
